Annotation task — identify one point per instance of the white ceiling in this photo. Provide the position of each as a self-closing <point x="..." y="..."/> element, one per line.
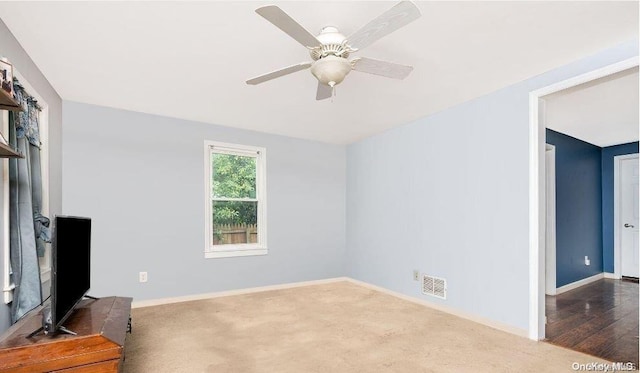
<point x="190" y="59"/>
<point x="603" y="112"/>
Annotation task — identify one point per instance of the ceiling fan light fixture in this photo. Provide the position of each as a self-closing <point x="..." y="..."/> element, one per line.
<point x="331" y="70"/>
<point x="330" y="49"/>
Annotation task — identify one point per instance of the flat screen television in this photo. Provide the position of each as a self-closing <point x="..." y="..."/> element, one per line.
<point x="71" y="267"/>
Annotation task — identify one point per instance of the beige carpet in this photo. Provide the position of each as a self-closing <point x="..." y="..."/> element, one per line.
<point x="337" y="327"/>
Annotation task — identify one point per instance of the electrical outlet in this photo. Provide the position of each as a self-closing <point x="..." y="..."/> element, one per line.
<point x="143" y="276"/>
<point x="416" y="275"/>
<point x="587" y="261"/>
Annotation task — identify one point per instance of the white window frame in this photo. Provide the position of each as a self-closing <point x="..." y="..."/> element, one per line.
<point x="43" y="121"/>
<point x="248" y="249"/>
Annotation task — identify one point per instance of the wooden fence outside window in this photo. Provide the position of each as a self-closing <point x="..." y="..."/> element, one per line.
<point x="226" y="234"/>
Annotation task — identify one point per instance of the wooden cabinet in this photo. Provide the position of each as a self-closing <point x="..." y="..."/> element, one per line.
<point x="99" y="346"/>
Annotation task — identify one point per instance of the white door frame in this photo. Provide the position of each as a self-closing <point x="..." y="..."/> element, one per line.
<point x="537" y="213"/>
<point x="550" y="234"/>
<point x="617" y="241"/>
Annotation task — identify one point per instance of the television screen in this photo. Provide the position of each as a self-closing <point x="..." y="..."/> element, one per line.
<point x="71" y="256"/>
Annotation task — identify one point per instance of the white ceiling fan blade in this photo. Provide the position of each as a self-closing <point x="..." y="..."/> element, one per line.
<point x="400" y="15"/>
<point x="382" y="68"/>
<point x="284" y="22"/>
<point x="279" y="73"/>
<point x="324" y="92"/>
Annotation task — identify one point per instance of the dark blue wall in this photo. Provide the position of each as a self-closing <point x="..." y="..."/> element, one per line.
<point x="578" y="208"/>
<point x="607" y="199"/>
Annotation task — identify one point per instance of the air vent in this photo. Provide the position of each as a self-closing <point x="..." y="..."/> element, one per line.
<point x="434" y="286"/>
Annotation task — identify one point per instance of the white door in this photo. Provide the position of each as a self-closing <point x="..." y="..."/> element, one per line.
<point x="629" y="217"/>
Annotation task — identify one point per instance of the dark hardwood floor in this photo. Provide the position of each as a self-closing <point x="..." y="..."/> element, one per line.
<point x="600" y="319"/>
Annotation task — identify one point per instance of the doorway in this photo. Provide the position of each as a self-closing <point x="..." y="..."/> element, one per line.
<point x="537" y="191"/>
<point x="587" y="312"/>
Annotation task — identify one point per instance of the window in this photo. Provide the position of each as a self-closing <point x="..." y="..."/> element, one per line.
<point x="44" y="261"/>
<point x="235" y="192"/>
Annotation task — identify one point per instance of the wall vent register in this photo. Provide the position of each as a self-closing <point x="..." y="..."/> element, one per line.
<point x="434" y="286"/>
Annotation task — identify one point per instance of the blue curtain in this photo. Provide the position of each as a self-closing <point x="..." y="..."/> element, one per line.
<point x="28" y="227"/>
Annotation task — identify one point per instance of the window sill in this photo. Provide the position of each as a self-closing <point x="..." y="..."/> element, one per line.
<point x="8" y="293"/>
<point x="234" y="253"/>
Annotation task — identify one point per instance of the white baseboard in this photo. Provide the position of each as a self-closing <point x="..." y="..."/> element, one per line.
<point x="187" y="298"/>
<point x="577" y="284"/>
<point x="450" y="310"/>
<point x="611" y="275"/>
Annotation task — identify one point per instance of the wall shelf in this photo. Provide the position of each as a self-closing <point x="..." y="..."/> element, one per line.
<point x="7" y="102"/>
<point x="7" y="152"/>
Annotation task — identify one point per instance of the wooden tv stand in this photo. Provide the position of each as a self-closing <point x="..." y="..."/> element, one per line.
<point x="99" y="346"/>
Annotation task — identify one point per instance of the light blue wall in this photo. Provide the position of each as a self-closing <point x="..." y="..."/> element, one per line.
<point x="140" y="178"/>
<point x="607" y="198"/>
<point x="10" y="48"/>
<point x="578" y="208"/>
<point x="449" y="195"/>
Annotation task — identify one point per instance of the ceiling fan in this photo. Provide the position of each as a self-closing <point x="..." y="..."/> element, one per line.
<point x="330" y="49"/>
